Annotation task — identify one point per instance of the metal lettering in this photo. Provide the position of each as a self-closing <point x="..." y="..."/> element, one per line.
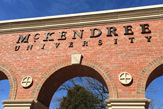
<point x="128" y="30"/>
<point x="115" y="41"/>
<point x="79" y="34"/>
<point x="112" y="30"/>
<point x="48" y="37"/>
<point x="43" y="46"/>
<point x="17" y="48"/>
<point x="23" y="39"/>
<point x="100" y="42"/>
<point x="29" y="47"/>
<point x="85" y="43"/>
<point x="145" y="28"/>
<point x="70" y="44"/>
<point x="35" y="37"/>
<point x="62" y="35"/>
<point x="93" y="31"/>
<point x="148" y="38"/>
<point x="131" y="39"/>
<point x="57" y="45"/>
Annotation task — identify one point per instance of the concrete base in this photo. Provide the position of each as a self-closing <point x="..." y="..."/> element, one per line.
<point x="111" y="104"/>
<point x="127" y="103"/>
<point x="22" y="104"/>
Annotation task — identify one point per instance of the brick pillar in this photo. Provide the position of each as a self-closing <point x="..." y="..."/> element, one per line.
<point x="22" y="104"/>
<point x="119" y="103"/>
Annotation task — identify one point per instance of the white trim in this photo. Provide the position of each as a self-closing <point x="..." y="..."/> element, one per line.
<point x="83" y="19"/>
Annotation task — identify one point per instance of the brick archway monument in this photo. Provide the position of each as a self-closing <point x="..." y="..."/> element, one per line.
<point x="121" y="48"/>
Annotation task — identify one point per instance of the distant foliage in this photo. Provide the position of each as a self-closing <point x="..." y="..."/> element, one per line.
<point x="90" y="84"/>
<point x="80" y="98"/>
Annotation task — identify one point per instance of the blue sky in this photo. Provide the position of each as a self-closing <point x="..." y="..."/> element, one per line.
<point x="18" y="9"/>
<point x="4" y="91"/>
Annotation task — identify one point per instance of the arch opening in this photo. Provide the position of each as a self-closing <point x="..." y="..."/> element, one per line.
<point x="2" y="76"/>
<point x="55" y="80"/>
<point x="154" y="88"/>
<point x="157" y="72"/>
<point x="4" y="88"/>
<point x="93" y="86"/>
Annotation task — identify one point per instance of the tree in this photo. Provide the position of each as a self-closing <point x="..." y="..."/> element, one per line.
<point x="80" y="98"/>
<point x="91" y="85"/>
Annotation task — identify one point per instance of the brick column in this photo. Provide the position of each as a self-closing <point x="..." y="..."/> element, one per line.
<point x="119" y="103"/>
<point x="22" y="104"/>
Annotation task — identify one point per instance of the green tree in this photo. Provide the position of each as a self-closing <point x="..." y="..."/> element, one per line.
<point x="79" y="97"/>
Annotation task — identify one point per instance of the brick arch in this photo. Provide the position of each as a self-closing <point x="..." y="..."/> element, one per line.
<point x="150" y="72"/>
<point x="88" y="66"/>
<point x="6" y="73"/>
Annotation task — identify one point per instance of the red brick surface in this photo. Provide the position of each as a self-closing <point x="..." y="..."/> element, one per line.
<point x="108" y="59"/>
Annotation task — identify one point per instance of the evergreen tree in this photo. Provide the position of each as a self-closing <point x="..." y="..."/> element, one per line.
<point x="79" y="98"/>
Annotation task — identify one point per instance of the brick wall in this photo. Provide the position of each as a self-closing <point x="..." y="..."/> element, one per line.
<point x="106" y="60"/>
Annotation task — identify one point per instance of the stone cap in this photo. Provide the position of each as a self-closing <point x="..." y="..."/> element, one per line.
<point x="23" y="104"/>
<point x="17" y="103"/>
<point x="128" y="102"/>
<point x="127" y="99"/>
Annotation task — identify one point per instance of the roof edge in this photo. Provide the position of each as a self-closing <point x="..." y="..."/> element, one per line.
<point x="80" y="19"/>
